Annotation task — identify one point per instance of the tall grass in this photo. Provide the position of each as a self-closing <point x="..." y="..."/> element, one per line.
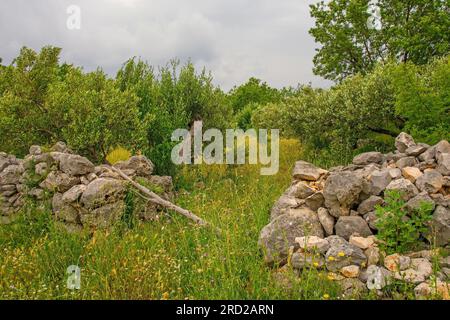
<point x="166" y="259"/>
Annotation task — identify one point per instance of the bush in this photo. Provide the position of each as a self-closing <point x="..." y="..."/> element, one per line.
<point x="42" y="101"/>
<point x="365" y="113"/>
<point x="423" y="99"/>
<point x="173" y="98"/>
<point x="398" y="231"/>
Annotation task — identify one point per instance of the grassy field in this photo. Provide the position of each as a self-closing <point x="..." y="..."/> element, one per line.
<point x="167" y="259"/>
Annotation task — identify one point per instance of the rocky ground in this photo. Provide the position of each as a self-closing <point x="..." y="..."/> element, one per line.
<point x="326" y="219"/>
<point x="81" y="195"/>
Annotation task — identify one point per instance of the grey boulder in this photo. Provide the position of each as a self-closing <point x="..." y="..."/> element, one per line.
<point x="348" y="225"/>
<point x="279" y="235"/>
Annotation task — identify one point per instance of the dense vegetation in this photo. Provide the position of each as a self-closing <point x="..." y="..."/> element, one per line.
<point x="170" y="259"/>
<point x="366" y="112"/>
<point x="389" y="79"/>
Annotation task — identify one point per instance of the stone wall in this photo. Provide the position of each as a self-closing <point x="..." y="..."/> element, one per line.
<point x="81" y="194"/>
<point x="333" y="212"/>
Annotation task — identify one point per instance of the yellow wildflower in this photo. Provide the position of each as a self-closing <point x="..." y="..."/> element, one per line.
<point x="326" y="296"/>
<point x="341" y="254"/>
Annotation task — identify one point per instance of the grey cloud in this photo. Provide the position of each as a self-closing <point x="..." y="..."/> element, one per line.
<point x="235" y="39"/>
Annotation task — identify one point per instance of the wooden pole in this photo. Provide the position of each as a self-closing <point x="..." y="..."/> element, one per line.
<point x="158" y="200"/>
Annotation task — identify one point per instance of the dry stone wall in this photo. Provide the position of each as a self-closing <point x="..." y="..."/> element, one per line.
<point x="81" y="194"/>
<point x="326" y="218"/>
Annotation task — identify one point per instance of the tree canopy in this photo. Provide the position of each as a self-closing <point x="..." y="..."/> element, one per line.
<point x="412" y="30"/>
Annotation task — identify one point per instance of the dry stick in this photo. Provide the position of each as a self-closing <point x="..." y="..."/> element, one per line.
<point x="158" y="200"/>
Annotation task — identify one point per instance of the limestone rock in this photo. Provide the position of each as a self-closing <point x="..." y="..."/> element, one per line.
<point x="63" y="211"/>
<point x="378" y="277"/>
<point x="59" y="181"/>
<point x="75" y="165"/>
<point x="306" y="171"/>
<point x="406" y="162"/>
<point x="351" y="271"/>
<point x="104" y="216"/>
<point x="423" y="290"/>
<point x="74" y="193"/>
<point x="411" y="173"/>
<point x="404" y="141"/>
<point x="396" y="262"/>
<point x="431" y="181"/>
<point x="336" y="241"/>
<point x="142" y="166"/>
<point x="37" y="193"/>
<point x="395" y="173"/>
<point x="415" y="150"/>
<point x="279" y="235"/>
<point x="373" y="255"/>
<point x="326" y="220"/>
<point x="440" y="226"/>
<point x="341" y="192"/>
<point x="352" y="288"/>
<point x="380" y="179"/>
<point x="369" y="204"/>
<point x="282" y="206"/>
<point x="343" y="255"/>
<point x="61" y="147"/>
<point x="368" y="157"/>
<point x="165" y="182"/>
<point x="313" y="244"/>
<point x="416" y="202"/>
<point x="442" y="146"/>
<point x="300" y="190"/>
<point x="444" y="163"/>
<point x="102" y="191"/>
<point x="406" y="188"/>
<point x="300" y="260"/>
<point x="35" y="150"/>
<point x="315" y="201"/>
<point x="11" y="174"/>
<point x="41" y="168"/>
<point x="362" y="242"/>
<point x="346" y="226"/>
<point x="428" y="155"/>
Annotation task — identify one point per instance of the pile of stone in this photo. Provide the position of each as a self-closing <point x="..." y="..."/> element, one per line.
<point x="81" y="194"/>
<point x="326" y="218"/>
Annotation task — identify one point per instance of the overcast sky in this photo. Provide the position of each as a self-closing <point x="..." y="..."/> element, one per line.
<point x="234" y="39"/>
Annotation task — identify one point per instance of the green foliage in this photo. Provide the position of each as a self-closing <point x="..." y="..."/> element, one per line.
<point x="24" y="117"/>
<point x="97" y="115"/>
<point x="164" y="259"/>
<point x="137" y="110"/>
<point x="340" y="120"/>
<point x="415" y="31"/>
<point x="398" y="231"/>
<point x="129" y="218"/>
<point x="244" y="116"/>
<point x="365" y="113"/>
<point x="173" y="97"/>
<point x="42" y="102"/>
<point x="423" y="99"/>
<point x="253" y="91"/>
<point x="272" y="116"/>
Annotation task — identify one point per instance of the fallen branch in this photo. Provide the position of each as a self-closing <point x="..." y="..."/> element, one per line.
<point x="160" y="201"/>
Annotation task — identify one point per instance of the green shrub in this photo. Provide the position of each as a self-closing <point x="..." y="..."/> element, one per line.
<point x="423" y="99"/>
<point x="399" y="232"/>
